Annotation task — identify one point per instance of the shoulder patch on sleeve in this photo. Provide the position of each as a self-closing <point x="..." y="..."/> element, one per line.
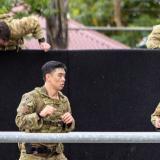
<point x="27" y="100"/>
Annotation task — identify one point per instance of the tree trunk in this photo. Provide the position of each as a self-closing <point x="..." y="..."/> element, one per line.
<point x="117" y="13"/>
<point x="57" y="25"/>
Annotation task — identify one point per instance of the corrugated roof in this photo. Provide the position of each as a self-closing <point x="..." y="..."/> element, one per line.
<point x="81" y="39"/>
<point x="89" y="39"/>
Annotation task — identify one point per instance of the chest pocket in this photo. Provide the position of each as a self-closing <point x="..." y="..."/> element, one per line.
<point x="39" y="103"/>
<point x="58" y="105"/>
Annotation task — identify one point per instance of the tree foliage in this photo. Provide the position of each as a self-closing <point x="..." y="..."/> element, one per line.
<point x="42" y="7"/>
<point x="133" y="13"/>
<point x="92" y="12"/>
<point x="6" y="6"/>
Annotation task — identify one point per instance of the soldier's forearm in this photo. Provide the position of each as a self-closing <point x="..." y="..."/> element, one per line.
<point x="29" y="121"/>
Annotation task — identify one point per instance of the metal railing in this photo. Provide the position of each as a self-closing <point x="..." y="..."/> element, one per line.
<point x="126" y="29"/>
<point x="81" y="137"/>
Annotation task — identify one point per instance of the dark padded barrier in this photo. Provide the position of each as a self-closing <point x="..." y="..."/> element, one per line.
<point x="114" y="90"/>
<point x="109" y="90"/>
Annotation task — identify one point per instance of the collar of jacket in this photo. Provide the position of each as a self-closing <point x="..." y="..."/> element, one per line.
<point x="43" y="92"/>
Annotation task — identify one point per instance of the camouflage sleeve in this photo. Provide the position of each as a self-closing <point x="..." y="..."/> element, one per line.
<point x="72" y="126"/>
<point x="155" y="114"/>
<point x="153" y="40"/>
<point x="27" y="119"/>
<point x="27" y="25"/>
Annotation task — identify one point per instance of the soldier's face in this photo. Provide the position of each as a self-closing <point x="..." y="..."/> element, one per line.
<point x="57" y="79"/>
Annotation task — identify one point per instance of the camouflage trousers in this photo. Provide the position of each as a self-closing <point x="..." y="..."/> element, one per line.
<point x="25" y="156"/>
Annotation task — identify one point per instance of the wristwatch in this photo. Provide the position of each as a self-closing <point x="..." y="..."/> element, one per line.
<point x="41" y="40"/>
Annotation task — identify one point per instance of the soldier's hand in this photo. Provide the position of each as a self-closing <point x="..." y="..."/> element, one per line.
<point x="157" y="122"/>
<point x="67" y="118"/>
<point x="48" y="110"/>
<point x="45" y="46"/>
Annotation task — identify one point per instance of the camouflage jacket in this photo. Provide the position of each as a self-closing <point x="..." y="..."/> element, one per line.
<point x="155" y="114"/>
<point x="19" y="28"/>
<point x="153" y="40"/>
<point x="32" y="103"/>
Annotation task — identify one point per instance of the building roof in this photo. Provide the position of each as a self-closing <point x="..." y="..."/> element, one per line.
<point x="81" y="39"/>
<point x="89" y="39"/>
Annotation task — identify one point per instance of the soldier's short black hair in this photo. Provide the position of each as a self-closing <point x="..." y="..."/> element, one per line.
<point x="4" y="31"/>
<point x="49" y="66"/>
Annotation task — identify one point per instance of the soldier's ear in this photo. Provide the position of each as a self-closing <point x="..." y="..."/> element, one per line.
<point x="47" y="76"/>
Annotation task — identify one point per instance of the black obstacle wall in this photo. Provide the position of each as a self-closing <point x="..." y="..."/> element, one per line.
<point x="109" y="90"/>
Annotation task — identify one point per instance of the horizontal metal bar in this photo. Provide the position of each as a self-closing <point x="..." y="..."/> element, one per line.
<point x="129" y="29"/>
<point x="81" y="137"/>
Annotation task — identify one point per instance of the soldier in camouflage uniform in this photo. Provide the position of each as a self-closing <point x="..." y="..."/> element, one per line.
<point x="155" y="117"/>
<point x="12" y="32"/>
<point x="153" y="40"/>
<point x="45" y="110"/>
